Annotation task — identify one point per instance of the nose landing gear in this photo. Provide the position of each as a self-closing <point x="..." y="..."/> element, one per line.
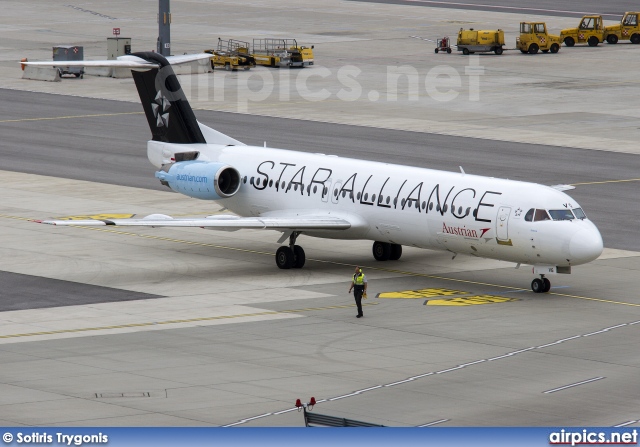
<point x="541" y="285"/>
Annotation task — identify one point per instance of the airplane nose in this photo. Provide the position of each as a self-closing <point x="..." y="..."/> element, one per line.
<point x="585" y="246"/>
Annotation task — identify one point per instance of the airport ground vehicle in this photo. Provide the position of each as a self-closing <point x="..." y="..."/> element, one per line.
<point x="627" y="29"/>
<point x="590" y="30"/>
<point x="534" y="37"/>
<point x="281" y="53"/>
<point x="231" y="55"/>
<point x="481" y="41"/>
<point x="443" y="45"/>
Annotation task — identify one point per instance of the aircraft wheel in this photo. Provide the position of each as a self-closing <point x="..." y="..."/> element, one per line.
<point x="593" y="41"/>
<point x="381" y="251"/>
<point x="396" y="252"/>
<point x="555" y="48"/>
<point x="299" y="257"/>
<point x="533" y="48"/>
<point x="547" y="285"/>
<point x="284" y="257"/>
<point x="635" y="39"/>
<point x="537" y="285"/>
<point x="612" y="39"/>
<point x="568" y="41"/>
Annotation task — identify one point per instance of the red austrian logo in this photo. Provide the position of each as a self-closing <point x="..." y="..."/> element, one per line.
<point x="464" y="231"/>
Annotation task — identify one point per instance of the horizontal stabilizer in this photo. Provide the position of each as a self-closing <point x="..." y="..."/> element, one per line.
<point x="127" y="61"/>
<point x="563" y="187"/>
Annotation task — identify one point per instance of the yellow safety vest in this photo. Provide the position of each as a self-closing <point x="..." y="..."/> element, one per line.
<point x="358" y="280"/>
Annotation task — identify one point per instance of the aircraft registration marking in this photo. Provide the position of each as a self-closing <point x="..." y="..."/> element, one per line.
<point x="421" y="293"/>
<point x="469" y="300"/>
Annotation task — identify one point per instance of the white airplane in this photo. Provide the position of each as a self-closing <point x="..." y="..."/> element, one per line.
<point x="332" y="197"/>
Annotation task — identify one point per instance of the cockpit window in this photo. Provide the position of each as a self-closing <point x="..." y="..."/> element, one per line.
<point x="541" y="215"/>
<point x="579" y="213"/>
<point x="529" y="216"/>
<point x="561" y="214"/>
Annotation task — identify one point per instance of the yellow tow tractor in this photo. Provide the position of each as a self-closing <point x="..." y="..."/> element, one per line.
<point x="483" y="41"/>
<point x="231" y="55"/>
<point x="534" y="37"/>
<point x="627" y="29"/>
<point x="590" y="30"/>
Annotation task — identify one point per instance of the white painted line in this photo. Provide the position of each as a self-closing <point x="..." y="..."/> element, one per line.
<point x="572" y="385"/>
<point x="448" y="370"/>
<point x="285" y="411"/>
<point x="570" y="338"/>
<point x="624" y="424"/>
<point x="547" y="345"/>
<point x="398" y="383"/>
<point x="514" y="8"/>
<point x="615" y="327"/>
<point x="248" y="419"/>
<point x="472" y="363"/>
<point x="342" y="397"/>
<point x="635" y="322"/>
<point x="368" y="389"/>
<point x="499" y="357"/>
<point x="434" y="423"/>
<point x="421" y="376"/>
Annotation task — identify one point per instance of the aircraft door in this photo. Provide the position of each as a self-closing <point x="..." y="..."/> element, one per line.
<point x="335" y="191"/>
<point x="326" y="192"/>
<point x="502" y="225"/>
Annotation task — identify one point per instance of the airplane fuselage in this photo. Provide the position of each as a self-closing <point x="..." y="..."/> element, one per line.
<point x="404" y="205"/>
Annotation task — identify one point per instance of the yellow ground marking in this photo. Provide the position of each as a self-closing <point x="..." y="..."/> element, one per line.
<point x="421" y="293"/>
<point x="97" y="217"/>
<point x="189" y="320"/>
<point x="69" y="117"/>
<point x="381" y="269"/>
<point x="470" y="300"/>
<point x="607" y="181"/>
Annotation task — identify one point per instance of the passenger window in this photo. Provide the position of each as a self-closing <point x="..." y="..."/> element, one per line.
<point x="539" y="28"/>
<point x="541" y="215"/>
<point x="529" y="216"/>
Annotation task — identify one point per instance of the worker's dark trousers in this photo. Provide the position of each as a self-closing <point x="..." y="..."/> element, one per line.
<point x="357" y="294"/>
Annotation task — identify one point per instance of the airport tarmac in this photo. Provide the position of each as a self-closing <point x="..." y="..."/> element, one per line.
<point x="179" y="327"/>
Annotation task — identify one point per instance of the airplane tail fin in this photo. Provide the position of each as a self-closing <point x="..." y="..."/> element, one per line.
<point x="168" y="112"/>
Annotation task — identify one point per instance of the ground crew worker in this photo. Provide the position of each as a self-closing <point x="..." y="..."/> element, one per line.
<point x="359" y="286"/>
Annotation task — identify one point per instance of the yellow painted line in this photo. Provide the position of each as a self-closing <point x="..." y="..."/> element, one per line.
<point x="381" y="269"/>
<point x="607" y="181"/>
<point x="189" y="320"/>
<point x="53" y="118"/>
<point x="470" y="300"/>
<point x="421" y="293"/>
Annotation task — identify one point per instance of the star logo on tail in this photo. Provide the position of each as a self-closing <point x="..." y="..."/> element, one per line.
<point x="160" y="106"/>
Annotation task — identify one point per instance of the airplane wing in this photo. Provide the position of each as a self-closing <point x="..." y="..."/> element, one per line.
<point x="223" y="222"/>
<point x="127" y="61"/>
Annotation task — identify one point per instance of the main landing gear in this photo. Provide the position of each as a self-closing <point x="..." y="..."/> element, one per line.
<point x="540" y="285"/>
<point x="291" y="256"/>
<point x="384" y="251"/>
